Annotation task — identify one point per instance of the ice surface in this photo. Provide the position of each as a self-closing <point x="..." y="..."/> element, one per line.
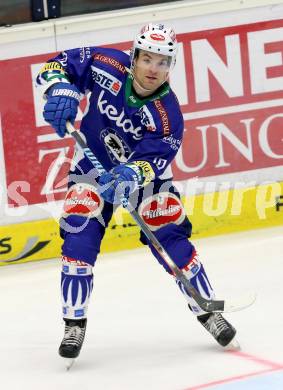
<point x="140" y="333"/>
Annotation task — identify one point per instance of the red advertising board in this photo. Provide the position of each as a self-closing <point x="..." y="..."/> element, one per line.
<point x="232" y="105"/>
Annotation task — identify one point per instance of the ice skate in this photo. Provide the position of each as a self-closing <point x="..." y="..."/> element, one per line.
<point x="223" y="332"/>
<point x="73" y="340"/>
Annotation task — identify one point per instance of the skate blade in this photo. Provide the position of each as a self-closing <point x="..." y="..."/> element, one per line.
<point x="234" y="345"/>
<point x="69" y="363"/>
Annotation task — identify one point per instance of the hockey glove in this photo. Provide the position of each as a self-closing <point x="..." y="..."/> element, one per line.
<point x="61" y="106"/>
<point x="120" y="182"/>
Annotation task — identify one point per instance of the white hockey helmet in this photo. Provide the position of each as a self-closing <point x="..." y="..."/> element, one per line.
<point x="156" y="38"/>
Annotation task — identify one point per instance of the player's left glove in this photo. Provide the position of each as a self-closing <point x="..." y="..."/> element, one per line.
<point x="62" y="105"/>
<point x="118" y="184"/>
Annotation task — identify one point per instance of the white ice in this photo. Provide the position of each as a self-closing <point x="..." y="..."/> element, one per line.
<point x="140" y="333"/>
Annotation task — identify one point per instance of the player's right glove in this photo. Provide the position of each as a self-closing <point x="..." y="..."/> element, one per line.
<point x="62" y="105"/>
<point x="120" y="182"/>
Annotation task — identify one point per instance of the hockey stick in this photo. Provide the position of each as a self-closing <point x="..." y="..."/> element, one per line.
<point x="205" y="304"/>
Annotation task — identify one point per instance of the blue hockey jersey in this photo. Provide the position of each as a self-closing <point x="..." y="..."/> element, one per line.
<point x="119" y="126"/>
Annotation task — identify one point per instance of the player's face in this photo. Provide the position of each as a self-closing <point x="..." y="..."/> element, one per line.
<point x="151" y="70"/>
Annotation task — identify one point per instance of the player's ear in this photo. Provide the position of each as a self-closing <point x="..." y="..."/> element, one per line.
<point x="166" y="76"/>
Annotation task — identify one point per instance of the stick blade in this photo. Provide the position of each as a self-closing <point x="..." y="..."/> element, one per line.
<point x="239" y="303"/>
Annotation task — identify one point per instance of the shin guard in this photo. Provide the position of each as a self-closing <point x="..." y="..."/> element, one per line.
<point x="195" y="273"/>
<point x="76" y="287"/>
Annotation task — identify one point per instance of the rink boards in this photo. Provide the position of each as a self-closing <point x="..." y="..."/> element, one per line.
<point x="211" y="213"/>
<point x="229" y="82"/>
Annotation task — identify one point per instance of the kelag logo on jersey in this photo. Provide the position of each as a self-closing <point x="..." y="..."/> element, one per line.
<point x="106" y="80"/>
<point x="118" y="151"/>
<point x="120" y="119"/>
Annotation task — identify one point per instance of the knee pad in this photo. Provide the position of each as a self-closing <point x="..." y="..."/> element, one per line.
<point x="164" y="214"/>
<point x="82" y="200"/>
<point x="76" y="287"/>
<point x="162" y="209"/>
<point x="82" y="227"/>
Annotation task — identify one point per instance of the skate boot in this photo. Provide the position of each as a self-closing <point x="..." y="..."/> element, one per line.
<point x="219" y="328"/>
<point x="73" y="338"/>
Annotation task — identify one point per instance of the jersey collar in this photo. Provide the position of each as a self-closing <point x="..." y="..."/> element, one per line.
<point x="134" y="101"/>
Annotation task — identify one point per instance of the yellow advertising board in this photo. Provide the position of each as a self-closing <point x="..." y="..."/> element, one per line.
<point x="211" y="213"/>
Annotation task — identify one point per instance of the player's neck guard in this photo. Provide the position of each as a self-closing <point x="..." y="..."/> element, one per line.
<point x="133" y="100"/>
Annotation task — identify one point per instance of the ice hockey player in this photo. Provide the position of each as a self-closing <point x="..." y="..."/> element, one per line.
<point x="134" y="125"/>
